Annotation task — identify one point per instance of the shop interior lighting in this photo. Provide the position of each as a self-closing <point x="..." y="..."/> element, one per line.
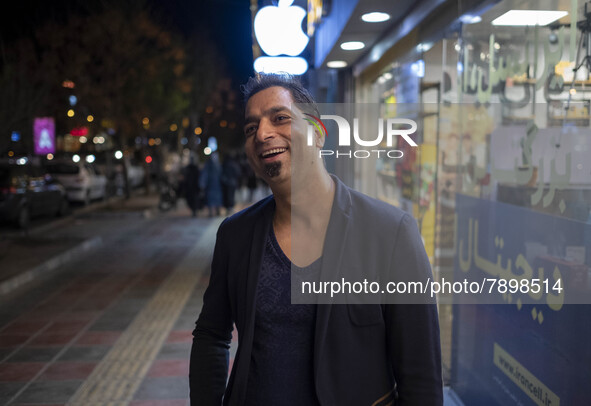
<point x="386" y="76"/>
<point x="352" y="45"/>
<point x="336" y="64"/>
<point x="424" y="46"/>
<point x="375" y="17"/>
<point x="470" y="19"/>
<point x="90" y="158"/>
<point x="529" y="17"/>
<point x="418" y="68"/>
<point x="118" y="154"/>
<point x="76" y="158"/>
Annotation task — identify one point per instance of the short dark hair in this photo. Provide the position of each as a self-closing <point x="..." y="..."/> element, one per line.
<point x="262" y="81"/>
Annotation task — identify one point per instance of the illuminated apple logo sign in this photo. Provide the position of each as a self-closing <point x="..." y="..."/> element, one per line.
<point x="278" y="30"/>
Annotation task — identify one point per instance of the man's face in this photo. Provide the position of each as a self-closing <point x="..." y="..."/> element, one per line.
<point x="270" y="122"/>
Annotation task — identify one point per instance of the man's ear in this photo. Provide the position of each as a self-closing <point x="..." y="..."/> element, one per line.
<point x="319" y="138"/>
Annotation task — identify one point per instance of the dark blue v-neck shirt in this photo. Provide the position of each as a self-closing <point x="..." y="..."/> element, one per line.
<point x="281" y="368"/>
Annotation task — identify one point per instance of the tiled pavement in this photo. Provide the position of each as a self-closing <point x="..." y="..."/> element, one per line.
<point x="61" y="338"/>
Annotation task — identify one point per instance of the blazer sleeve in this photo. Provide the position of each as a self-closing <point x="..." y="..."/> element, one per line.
<point x="209" y="362"/>
<point x="413" y="329"/>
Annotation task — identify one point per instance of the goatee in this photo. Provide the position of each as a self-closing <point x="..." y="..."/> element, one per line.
<point x="273" y="169"/>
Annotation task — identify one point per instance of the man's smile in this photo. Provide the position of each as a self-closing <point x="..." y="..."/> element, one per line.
<point x="270" y="154"/>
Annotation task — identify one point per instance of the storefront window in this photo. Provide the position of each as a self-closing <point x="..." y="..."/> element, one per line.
<point x="514" y="160"/>
<point x="500" y="185"/>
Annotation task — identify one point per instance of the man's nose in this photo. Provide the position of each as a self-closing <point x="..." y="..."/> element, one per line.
<point x="265" y="131"/>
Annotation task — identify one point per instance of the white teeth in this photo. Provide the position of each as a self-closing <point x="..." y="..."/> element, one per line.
<point x="273" y="151"/>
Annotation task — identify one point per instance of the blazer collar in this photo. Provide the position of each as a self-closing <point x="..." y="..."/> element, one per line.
<point x="262" y="224"/>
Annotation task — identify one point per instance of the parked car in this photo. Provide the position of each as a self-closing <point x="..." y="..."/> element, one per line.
<point x="82" y="181"/>
<point x="28" y="191"/>
<point x="135" y="174"/>
<point x="113" y="170"/>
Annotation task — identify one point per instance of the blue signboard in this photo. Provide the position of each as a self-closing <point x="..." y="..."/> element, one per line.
<point x="522" y="352"/>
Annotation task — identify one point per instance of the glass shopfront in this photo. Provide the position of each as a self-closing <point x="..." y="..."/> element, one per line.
<point x="501" y="187"/>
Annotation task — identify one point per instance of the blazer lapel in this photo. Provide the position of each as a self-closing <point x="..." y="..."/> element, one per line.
<point x="336" y="235"/>
<point x="260" y="231"/>
<point x="259" y="235"/>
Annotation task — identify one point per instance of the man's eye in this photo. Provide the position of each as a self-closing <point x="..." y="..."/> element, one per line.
<point x="250" y="130"/>
<point x="282" y="118"/>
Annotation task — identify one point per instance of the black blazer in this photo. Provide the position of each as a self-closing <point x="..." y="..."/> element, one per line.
<point x="372" y="355"/>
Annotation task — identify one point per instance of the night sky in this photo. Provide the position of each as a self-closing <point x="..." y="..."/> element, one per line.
<point x="228" y="22"/>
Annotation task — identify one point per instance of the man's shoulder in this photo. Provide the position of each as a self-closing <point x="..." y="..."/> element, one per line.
<point x="246" y="218"/>
<point x="369" y="207"/>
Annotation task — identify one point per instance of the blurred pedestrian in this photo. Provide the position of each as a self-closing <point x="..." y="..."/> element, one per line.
<point x="251" y="183"/>
<point x="210" y="182"/>
<point x="231" y="173"/>
<point x="190" y="186"/>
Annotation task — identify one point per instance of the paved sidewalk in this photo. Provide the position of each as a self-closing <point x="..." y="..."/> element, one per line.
<point x="44" y="249"/>
<point x="25" y="256"/>
<point x="113" y="326"/>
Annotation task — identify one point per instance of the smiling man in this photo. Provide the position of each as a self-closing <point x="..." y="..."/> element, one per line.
<point x="308" y="354"/>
